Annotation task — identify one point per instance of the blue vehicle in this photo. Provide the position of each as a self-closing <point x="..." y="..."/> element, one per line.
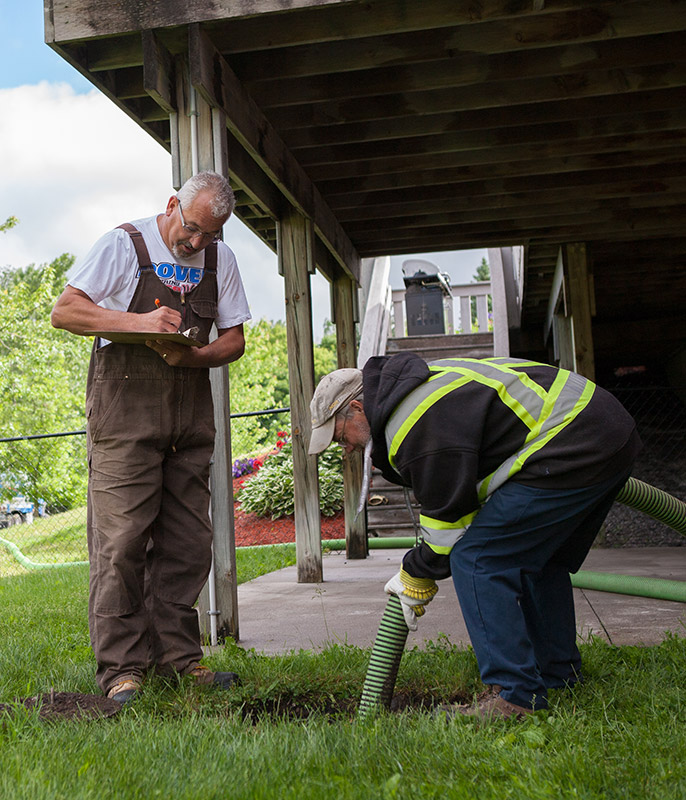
<point x="21" y="510"/>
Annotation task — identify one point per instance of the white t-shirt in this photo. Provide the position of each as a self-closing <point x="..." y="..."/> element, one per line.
<point x="109" y="273"/>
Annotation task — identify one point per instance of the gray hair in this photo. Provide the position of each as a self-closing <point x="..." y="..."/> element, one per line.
<point x="223" y="201"/>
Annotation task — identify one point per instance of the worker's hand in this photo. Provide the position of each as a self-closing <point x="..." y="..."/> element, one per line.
<point x="176" y="355"/>
<point x="162" y="319"/>
<point x="414" y="595"/>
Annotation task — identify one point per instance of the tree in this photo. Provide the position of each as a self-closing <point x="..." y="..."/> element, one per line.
<point x="42" y="386"/>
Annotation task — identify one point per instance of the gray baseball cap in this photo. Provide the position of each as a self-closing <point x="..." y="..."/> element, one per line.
<point x="333" y="393"/>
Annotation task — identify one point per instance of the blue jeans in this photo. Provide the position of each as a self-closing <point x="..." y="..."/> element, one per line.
<point x="511" y="574"/>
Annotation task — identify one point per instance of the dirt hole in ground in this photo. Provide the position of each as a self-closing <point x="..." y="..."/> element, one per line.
<point x="76" y="706"/>
<point x="65" y="705"/>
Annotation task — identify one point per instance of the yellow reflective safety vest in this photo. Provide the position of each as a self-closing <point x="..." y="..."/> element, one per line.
<point x="474" y="424"/>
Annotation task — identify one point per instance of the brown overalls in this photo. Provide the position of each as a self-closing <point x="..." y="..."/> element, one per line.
<point x="150" y="440"/>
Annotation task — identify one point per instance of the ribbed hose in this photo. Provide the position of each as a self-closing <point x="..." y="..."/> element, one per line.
<point x="653" y="501"/>
<point x="390" y="640"/>
<point x="385" y="659"/>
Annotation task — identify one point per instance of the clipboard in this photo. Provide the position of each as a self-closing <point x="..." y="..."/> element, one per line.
<point x="141" y="337"/>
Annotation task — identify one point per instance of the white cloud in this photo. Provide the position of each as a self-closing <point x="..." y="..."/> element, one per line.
<point x="74" y="166"/>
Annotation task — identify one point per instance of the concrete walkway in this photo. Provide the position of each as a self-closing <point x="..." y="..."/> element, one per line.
<point x="279" y="615"/>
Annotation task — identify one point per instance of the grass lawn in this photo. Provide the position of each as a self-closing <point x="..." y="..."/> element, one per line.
<point x="289" y="730"/>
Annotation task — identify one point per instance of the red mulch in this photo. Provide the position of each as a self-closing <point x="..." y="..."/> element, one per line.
<point x="251" y="529"/>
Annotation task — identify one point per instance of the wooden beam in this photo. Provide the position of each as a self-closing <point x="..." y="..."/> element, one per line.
<point x="295" y="254"/>
<point x="491" y="26"/>
<point x="528" y="202"/>
<point x="158" y="72"/>
<point x="560" y="167"/>
<point x="621" y="131"/>
<point x="599" y="108"/>
<point x="344" y="318"/>
<point x="213" y="77"/>
<point x="492" y="94"/>
<point x="336" y="74"/>
<point x="80" y="19"/>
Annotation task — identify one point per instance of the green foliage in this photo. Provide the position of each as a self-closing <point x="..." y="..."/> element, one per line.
<point x="8" y="224"/>
<point x="259" y="382"/>
<point x="42" y="385"/>
<point x="269" y="492"/>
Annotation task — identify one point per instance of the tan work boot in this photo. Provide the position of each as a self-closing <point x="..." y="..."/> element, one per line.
<point x="206" y="677"/>
<point x="124" y="691"/>
<point x="493" y="706"/>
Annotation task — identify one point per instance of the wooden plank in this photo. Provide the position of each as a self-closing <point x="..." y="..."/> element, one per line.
<point x="158" y="77"/>
<point x="493" y="94"/>
<point x="80" y="19"/>
<point x="344" y="318"/>
<point x="501" y="327"/>
<point x="504" y="117"/>
<point x="529" y="202"/>
<point x="561" y="167"/>
<point x="212" y="76"/>
<point x="294" y="252"/>
<point x="224" y="539"/>
<point x="621" y="131"/>
<point x="616" y="181"/>
<point x="556" y="299"/>
<point x="562" y="212"/>
<point x="576" y="271"/>
<point x="493" y="26"/>
<point x="427" y="66"/>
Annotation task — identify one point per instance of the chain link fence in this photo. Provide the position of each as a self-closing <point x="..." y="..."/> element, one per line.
<point x="43" y="483"/>
<point x="660" y="416"/>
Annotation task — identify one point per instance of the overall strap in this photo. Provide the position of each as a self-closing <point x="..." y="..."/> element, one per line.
<point x="144" y="260"/>
<point x="211" y="257"/>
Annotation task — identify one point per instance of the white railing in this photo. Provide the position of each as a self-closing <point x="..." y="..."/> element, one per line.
<point x="460" y="302"/>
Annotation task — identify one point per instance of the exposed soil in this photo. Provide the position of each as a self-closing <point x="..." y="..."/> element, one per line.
<point x="66" y="705"/>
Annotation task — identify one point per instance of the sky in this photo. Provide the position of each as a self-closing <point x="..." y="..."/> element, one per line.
<point x="75" y="166"/>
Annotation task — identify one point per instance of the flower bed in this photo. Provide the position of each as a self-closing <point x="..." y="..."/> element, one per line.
<point x="251" y="529"/>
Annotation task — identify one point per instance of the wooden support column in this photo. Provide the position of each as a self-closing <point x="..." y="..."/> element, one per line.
<point x="344" y="290"/>
<point x="570" y="310"/>
<point x="296" y="262"/>
<point x="199" y="142"/>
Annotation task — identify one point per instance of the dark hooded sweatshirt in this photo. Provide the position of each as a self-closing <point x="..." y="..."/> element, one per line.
<point x="469" y="432"/>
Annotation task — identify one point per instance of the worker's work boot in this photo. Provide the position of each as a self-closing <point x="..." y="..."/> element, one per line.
<point x="124" y="691"/>
<point x="204" y="676"/>
<point x="490" y="707"/>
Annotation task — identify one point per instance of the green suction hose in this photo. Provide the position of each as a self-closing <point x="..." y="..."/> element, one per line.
<point x="654" y="502"/>
<point x="385" y="660"/>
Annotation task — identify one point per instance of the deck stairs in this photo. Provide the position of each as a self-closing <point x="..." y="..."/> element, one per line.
<point x="387" y="504"/>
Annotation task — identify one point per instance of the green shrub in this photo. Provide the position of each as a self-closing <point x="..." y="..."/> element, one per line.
<point x="269" y="492"/>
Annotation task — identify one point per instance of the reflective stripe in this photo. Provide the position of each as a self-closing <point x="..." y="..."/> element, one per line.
<point x="414" y="405"/>
<point x="522" y="395"/>
<point x="441" y="535"/>
<point x="568" y="396"/>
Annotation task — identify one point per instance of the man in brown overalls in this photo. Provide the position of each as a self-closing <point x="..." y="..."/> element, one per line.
<point x="151" y="429"/>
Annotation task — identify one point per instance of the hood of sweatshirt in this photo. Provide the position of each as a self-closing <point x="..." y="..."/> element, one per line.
<point x="386" y="381"/>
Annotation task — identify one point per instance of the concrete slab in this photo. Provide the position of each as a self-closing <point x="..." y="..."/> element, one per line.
<point x="279" y="615"/>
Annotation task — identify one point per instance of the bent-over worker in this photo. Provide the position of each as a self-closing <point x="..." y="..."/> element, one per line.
<point x="515" y="465"/>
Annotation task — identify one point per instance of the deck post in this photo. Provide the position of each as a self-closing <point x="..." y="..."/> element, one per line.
<point x="296" y="262"/>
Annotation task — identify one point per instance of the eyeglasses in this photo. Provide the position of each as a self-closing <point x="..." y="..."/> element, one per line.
<point x="192" y="231"/>
<point x="341" y="438"/>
